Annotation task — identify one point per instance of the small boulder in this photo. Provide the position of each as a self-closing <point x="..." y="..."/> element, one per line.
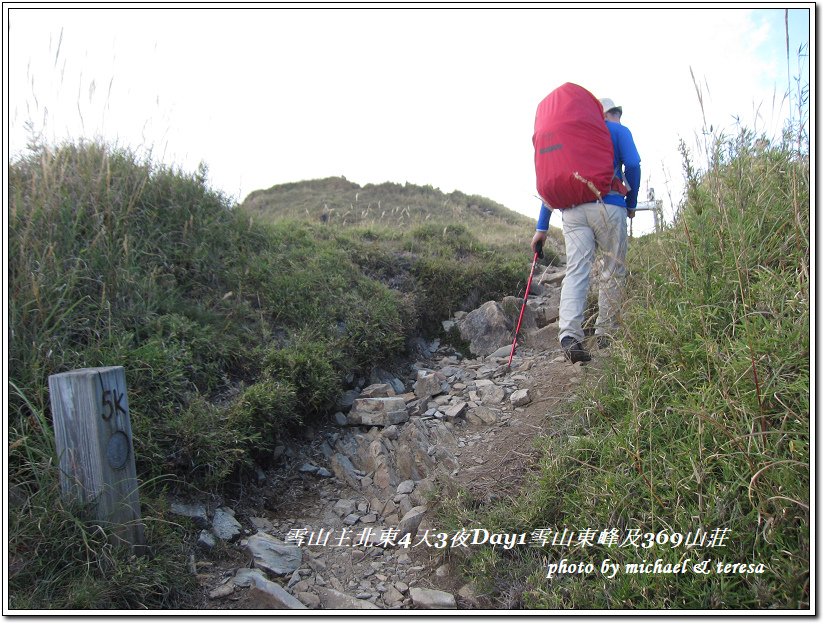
<point x="333" y="599"/>
<point x="502" y="352"/>
<point x="246" y="577"/>
<point x="487" y="328"/>
<point x="428" y="384"/>
<point x="261" y="524"/>
<point x="344" y="470"/>
<point x="406" y="487"/>
<point x="378" y="390"/>
<point x="512" y="307"/>
<point x="553" y="278"/>
<point x="492" y="395"/>
<point x="312" y="601"/>
<point x="423" y="598"/>
<point x="483" y="416"/>
<point x="206" y="540"/>
<point x="520" y="397"/>
<point x="225" y="526"/>
<point x="271" y="554"/>
<point x="381" y="412"/>
<point x="344" y="507"/>
<point x="196" y="512"/>
<point x="411" y="521"/>
<point x="347" y="399"/>
<point x="266" y="594"/>
<point x="455" y="411"/>
<point x="222" y="591"/>
<point x="392" y="597"/>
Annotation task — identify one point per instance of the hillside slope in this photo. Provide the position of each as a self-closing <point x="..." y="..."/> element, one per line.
<point x="342" y="203"/>
<point x="234" y="335"/>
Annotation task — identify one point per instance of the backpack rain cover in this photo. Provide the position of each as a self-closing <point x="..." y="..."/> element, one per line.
<point x="571" y="137"/>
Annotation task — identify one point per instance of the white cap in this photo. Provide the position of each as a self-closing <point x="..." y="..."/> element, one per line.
<point x="609" y="105"/>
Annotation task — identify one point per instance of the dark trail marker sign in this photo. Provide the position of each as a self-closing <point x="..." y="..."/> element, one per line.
<point x="93" y="434"/>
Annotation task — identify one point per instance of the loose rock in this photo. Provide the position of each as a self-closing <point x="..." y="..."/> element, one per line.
<point x="261" y="524"/>
<point x="487" y="328"/>
<point x="344" y="507"/>
<point x="196" y="512"/>
<point x="246" y="577"/>
<point x="224" y="525"/>
<point x="392" y="597"/>
<point x="380" y="412"/>
<point x="333" y="599"/>
<point x="455" y="411"/>
<point x="411" y="521"/>
<point x="483" y="416"/>
<point x="432" y="599"/>
<point x="268" y="595"/>
<point x="429" y="384"/>
<point x="520" y="397"/>
<point x="311" y="600"/>
<point x="406" y="487"/>
<point x="221" y="591"/>
<point x="273" y="555"/>
<point x="344" y="470"/>
<point x="378" y="390"/>
<point x="492" y="395"/>
<point x="347" y="399"/>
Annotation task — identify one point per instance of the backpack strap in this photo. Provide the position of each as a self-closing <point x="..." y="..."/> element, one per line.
<point x="589" y="184"/>
<point x="617" y="185"/>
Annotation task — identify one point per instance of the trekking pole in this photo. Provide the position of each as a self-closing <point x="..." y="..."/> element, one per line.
<point x="538" y="254"/>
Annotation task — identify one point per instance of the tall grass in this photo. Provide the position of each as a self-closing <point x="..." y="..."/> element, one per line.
<point x="702" y="419"/>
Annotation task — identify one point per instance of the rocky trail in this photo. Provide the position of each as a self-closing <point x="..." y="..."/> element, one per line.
<point x="347" y="519"/>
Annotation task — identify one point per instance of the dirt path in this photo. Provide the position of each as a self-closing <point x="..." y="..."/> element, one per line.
<point x="487" y="460"/>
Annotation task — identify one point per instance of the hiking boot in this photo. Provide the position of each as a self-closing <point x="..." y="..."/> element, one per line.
<point x="573" y="351"/>
<point x="603" y="342"/>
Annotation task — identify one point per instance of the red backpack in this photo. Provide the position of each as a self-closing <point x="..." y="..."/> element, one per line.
<point x="573" y="148"/>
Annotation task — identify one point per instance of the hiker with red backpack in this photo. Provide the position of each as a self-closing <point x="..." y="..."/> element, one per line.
<point x="587" y="167"/>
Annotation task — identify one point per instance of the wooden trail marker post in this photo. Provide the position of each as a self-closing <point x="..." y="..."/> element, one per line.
<point x="93" y="435"/>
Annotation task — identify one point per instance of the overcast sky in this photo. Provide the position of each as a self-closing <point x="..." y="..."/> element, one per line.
<point x="445" y="97"/>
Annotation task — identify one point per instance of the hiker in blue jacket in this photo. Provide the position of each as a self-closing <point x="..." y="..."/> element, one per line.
<point x="591" y="226"/>
<point x="627" y="162"/>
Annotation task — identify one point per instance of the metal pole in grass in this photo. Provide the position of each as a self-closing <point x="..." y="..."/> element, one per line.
<point x="538" y="254"/>
<point x="93" y="435"/>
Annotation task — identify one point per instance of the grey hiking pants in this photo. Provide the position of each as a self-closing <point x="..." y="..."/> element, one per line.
<point x="588" y="227"/>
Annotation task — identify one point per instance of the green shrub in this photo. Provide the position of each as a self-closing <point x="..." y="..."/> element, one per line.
<point x="445" y="285"/>
<point x="375" y="327"/>
<point x="263" y="413"/>
<point x="454" y="240"/>
<point x="311" y="368"/>
<point x="205" y="443"/>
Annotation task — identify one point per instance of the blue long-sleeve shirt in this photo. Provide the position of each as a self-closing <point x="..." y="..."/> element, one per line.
<point x="626" y="166"/>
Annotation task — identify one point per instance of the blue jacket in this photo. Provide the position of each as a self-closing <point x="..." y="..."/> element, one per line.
<point x="627" y="167"/>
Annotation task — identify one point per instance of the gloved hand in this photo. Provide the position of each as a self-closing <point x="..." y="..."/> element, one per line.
<point x="538" y="243"/>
